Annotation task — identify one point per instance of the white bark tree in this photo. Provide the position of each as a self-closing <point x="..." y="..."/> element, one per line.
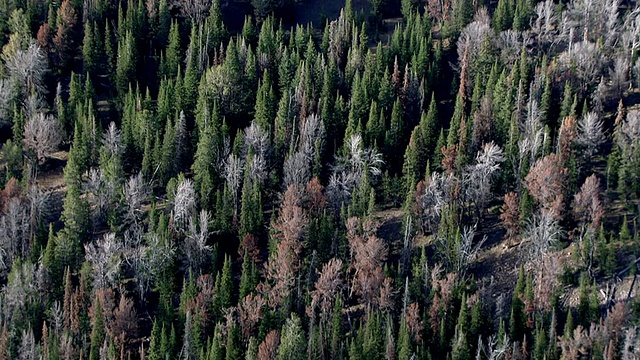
<point x="196" y="251"/>
<point x="184" y="204"/>
<point x="590" y="134"/>
<point x="42" y="135"/>
<point x="28" y="68"/>
<point x="104" y="255"/>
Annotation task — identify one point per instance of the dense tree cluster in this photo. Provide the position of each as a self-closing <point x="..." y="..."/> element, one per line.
<point x="172" y="189"/>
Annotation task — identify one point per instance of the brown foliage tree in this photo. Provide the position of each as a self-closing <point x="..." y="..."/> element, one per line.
<point x="250" y="313"/>
<point x="327" y="288"/>
<point x="414" y="321"/>
<point x="316" y="200"/>
<point x="44" y="37"/>
<point x="125" y="321"/>
<point x="269" y="347"/>
<point x="482" y="130"/>
<point x="368" y="253"/>
<point x="440" y="10"/>
<point x="10" y="191"/>
<point x="282" y="267"/>
<point x="510" y="215"/>
<point x="249" y="245"/>
<point x="546" y="182"/>
<point x="64" y="37"/>
<point x="588" y="207"/>
<point x="566" y="137"/>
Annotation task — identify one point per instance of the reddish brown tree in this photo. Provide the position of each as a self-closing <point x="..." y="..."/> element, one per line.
<point x="10" y="191"/>
<point x="510" y="215"/>
<point x="249" y="245"/>
<point x="482" y="130"/>
<point x="588" y="206"/>
<point x="566" y="137"/>
<point x="250" y="313"/>
<point x="282" y="267"/>
<point x="44" y="37"/>
<point x="546" y="182"/>
<point x="326" y="289"/>
<point x="316" y="200"/>
<point x="4" y="342"/>
<point x="269" y="347"/>
<point x="414" y="321"/>
<point x="125" y="321"/>
<point x="64" y="38"/>
<point x="368" y="253"/>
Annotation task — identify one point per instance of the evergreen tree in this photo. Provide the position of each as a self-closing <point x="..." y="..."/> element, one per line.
<point x="97" y="330"/>
<point x="172" y="53"/>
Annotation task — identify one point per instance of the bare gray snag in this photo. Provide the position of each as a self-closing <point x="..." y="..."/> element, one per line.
<point x="105" y="260"/>
<point x="541" y="233"/>
<point x="184" y="204"/>
<point x="590" y="134"/>
<point x="544" y="26"/>
<point x="28" y="68"/>
<point x="42" y="135"/>
<point x="196" y="251"/>
<point x="14" y="232"/>
<point x="477" y="178"/>
<point x="297" y="167"/>
<point x="136" y="193"/>
<point x="349" y="170"/>
<point x="196" y="10"/>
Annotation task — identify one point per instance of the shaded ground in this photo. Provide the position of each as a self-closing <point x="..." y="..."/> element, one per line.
<point x="316" y="12"/>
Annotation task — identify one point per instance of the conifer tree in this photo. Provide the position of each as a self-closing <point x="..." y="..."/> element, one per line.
<point x="89" y="49"/>
<point x="503" y="17"/>
<point x="172" y="53"/>
<point x="98" y="332"/>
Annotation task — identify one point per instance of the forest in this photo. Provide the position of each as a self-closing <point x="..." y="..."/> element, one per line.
<point x="302" y="179"/>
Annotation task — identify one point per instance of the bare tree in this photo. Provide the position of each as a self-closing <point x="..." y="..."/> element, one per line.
<point x="477" y="178"/>
<point x="493" y="349"/>
<point x="349" y="170"/>
<point x="436" y="196"/>
<point x="184" y="204"/>
<point x="196" y="10"/>
<point x="233" y="170"/>
<point x="38" y="206"/>
<point x="586" y="59"/>
<point x="462" y="252"/>
<point x="14" y="232"/>
<point x="42" y="135"/>
<point x="27" y="349"/>
<point x="619" y="75"/>
<point x="196" y="251"/>
<point x="629" y="131"/>
<point x="135" y="194"/>
<point x="105" y="260"/>
<point x="590" y="134"/>
<point x="544" y="25"/>
<point x="541" y="233"/>
<point x="6" y="95"/>
<point x="28" y="69"/>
